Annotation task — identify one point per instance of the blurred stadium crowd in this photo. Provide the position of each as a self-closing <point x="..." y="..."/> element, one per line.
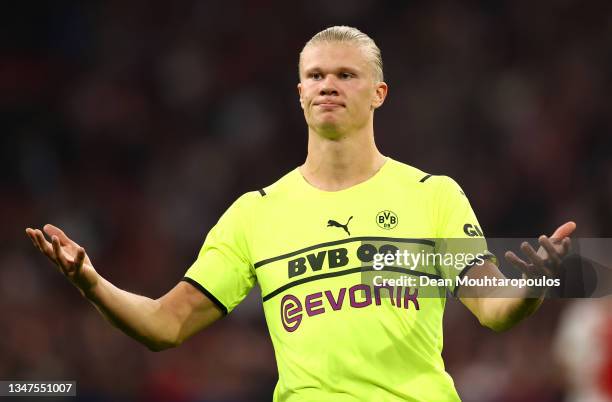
<point x="133" y="126"/>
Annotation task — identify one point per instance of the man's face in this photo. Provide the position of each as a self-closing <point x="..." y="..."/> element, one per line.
<point x="337" y="88"/>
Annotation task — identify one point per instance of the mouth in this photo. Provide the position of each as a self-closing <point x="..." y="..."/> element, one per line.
<point x="329" y="105"/>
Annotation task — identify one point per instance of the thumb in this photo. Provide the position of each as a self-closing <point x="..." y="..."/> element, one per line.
<point x="564" y="230"/>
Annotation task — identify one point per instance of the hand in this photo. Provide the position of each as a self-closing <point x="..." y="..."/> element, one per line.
<point x="67" y="255"/>
<point x="547" y="260"/>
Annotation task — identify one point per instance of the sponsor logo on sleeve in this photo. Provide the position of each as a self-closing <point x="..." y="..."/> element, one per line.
<point x="472" y="230"/>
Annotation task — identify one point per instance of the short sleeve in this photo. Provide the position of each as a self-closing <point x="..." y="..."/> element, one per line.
<point x="460" y="239"/>
<point x="224" y="270"/>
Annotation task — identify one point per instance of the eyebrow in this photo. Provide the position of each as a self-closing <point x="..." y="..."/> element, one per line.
<point x="338" y="69"/>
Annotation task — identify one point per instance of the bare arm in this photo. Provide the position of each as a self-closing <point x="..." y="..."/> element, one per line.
<point x="159" y="324"/>
<point x="493" y="307"/>
<point x="502" y="308"/>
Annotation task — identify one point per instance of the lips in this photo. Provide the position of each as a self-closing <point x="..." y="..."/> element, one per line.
<point x="327" y="103"/>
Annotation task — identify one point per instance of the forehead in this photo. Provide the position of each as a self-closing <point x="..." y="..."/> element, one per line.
<point x="334" y="55"/>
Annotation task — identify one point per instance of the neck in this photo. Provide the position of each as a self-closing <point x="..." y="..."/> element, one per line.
<point x="342" y="162"/>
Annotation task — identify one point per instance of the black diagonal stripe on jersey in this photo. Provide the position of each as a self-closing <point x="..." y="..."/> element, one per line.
<point x="424" y="179"/>
<point x="343" y="241"/>
<point x="344" y="272"/>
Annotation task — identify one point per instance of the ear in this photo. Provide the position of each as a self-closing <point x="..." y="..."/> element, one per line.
<point x="380" y="95"/>
<point x="299" y="88"/>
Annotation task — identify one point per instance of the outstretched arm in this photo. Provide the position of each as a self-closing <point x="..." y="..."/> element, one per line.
<point x="157" y="323"/>
<point x="502" y="308"/>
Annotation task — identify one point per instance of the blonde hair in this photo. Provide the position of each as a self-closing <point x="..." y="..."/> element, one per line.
<point x="345" y="34"/>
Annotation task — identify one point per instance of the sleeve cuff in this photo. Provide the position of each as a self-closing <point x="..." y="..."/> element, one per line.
<point x="207" y="294"/>
<point x="469" y="266"/>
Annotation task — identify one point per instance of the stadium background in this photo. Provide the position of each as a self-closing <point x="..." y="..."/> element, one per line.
<point x="133" y="125"/>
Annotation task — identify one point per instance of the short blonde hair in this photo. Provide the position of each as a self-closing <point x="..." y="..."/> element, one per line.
<point x="345" y="34"/>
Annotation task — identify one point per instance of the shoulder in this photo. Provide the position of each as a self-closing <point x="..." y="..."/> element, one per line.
<point x="446" y="184"/>
<point x="425" y="181"/>
<point x="404" y="172"/>
<point x="283" y="186"/>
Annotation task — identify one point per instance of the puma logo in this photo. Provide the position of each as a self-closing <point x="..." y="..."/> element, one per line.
<point x="332" y="222"/>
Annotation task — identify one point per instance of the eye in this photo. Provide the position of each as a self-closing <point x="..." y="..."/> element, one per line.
<point x="346" y="76"/>
<point x="316" y="76"/>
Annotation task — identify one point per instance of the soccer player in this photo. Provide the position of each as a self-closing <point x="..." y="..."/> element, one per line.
<point x="308" y="239"/>
<point x="583" y="349"/>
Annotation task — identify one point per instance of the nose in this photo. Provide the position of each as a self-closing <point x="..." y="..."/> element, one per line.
<point x="328" y="86"/>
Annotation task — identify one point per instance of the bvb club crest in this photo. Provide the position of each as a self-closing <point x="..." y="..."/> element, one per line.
<point x="386" y="219"/>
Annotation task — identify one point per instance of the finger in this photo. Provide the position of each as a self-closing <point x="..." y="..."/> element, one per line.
<point x="553" y="255"/>
<point x="566" y="244"/>
<point x="59" y="254"/>
<point x="564" y="230"/>
<point x="44" y="245"/>
<point x="30" y="234"/>
<point x="78" y="261"/>
<point x="34" y="239"/>
<point x="517" y="262"/>
<point x="55" y="231"/>
<point x="531" y="254"/>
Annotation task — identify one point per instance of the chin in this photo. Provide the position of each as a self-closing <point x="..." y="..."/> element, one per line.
<point x="327" y="127"/>
<point x="329" y="131"/>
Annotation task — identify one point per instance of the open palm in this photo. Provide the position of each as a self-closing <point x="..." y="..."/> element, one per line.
<point x="547" y="260"/>
<point x="66" y="254"/>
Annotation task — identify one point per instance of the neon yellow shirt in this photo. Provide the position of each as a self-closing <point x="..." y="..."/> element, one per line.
<point x="337" y="337"/>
